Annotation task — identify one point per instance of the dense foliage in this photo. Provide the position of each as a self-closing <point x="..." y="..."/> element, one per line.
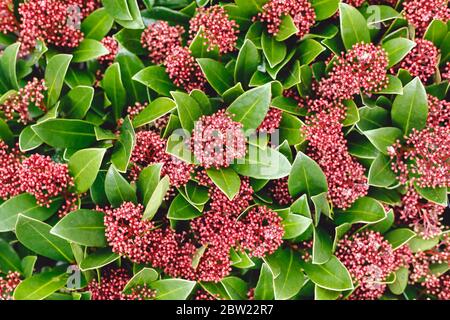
<point x="264" y="149"/>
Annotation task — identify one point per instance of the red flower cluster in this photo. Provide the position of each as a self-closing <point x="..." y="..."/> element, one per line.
<point x="113" y="47"/>
<point x="46" y="179"/>
<point x="260" y="232"/>
<point x="150" y="149"/>
<point x="446" y="74"/>
<point x="362" y="68"/>
<point x="435" y="284"/>
<point x="37" y="175"/>
<point x="220" y="202"/>
<point x="184" y="70"/>
<point x="159" y="38"/>
<point x="420" y="13"/>
<point x="55" y="22"/>
<point x="425" y="217"/>
<point x="218" y="140"/>
<point x="217" y="28"/>
<point x="133" y="111"/>
<point x="300" y="11"/>
<point x="8" y="284"/>
<point x="280" y="192"/>
<point x="328" y="146"/>
<point x="30" y="95"/>
<point x="370" y="259"/>
<point x="422" y="60"/>
<point x="8" y="22"/>
<point x="271" y="121"/>
<point x="425" y="156"/>
<point x="10" y="159"/>
<point x="112" y="285"/>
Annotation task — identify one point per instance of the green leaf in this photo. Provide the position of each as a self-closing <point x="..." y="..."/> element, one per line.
<point x="290" y="129"/>
<point x="66" y="133"/>
<point x="124" y="147"/>
<point x="263" y="164"/>
<point x="148" y="180"/>
<point x="89" y="49"/>
<point x="401" y="281"/>
<point x="306" y="177"/>
<point x="295" y="225"/>
<point x="114" y="89"/>
<point x="353" y="26"/>
<point x="217" y="75"/>
<point x="383" y="138"/>
<point x="130" y="64"/>
<point x="77" y="102"/>
<point x="84" y="166"/>
<point x="143" y="277"/>
<point x="251" y="107"/>
<point x="40" y="286"/>
<point x="309" y="50"/>
<point x="189" y="110"/>
<point x="172" y="289"/>
<point x="8" y="65"/>
<point x="156" y="78"/>
<point x="324" y="9"/>
<point x="363" y="210"/>
<point x="384" y="225"/>
<point x="98" y="259"/>
<point x="36" y="236"/>
<point x="196" y="194"/>
<point x="136" y="19"/>
<point x="97" y="25"/>
<point x="325" y="294"/>
<point x="410" y="110"/>
<point x="235" y="287"/>
<point x="28" y="264"/>
<point x="419" y="244"/>
<point x="436" y="32"/>
<point x="399" y="237"/>
<point x="437" y="195"/>
<point x="264" y="288"/>
<point x="54" y="76"/>
<point x="273" y="50"/>
<point x="181" y="209"/>
<point x="131" y="40"/>
<point x="286" y="269"/>
<point x="322" y="246"/>
<point x="24" y="204"/>
<point x="117" y="188"/>
<point x="118" y="9"/>
<point x="157" y="198"/>
<point x="29" y="140"/>
<point x="287" y="28"/>
<point x="247" y="63"/>
<point x="227" y="180"/>
<point x="380" y="172"/>
<point x="331" y="275"/>
<point x="372" y="118"/>
<point x="84" y="227"/>
<point x="155" y="110"/>
<point x="9" y="260"/>
<point x="397" y="49"/>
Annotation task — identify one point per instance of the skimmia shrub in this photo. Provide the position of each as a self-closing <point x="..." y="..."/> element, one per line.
<point x="224" y="150"/>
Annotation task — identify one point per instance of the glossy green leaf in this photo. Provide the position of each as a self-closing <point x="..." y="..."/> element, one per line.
<point x="227" y="180"/>
<point x="40" y="286"/>
<point x="217" y="75"/>
<point x="251" y="107"/>
<point x="410" y="110"/>
<point x="36" y="236"/>
<point x="172" y="289"/>
<point x="353" y="26"/>
<point x="54" y="76"/>
<point x="156" y="78"/>
<point x="155" y="110"/>
<point x="84" y="166"/>
<point x="306" y="177"/>
<point x="117" y="189"/>
<point x="84" y="227"/>
<point x="363" y="210"/>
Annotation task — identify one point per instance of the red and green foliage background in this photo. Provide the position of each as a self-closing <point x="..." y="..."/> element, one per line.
<point x="264" y="149"/>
